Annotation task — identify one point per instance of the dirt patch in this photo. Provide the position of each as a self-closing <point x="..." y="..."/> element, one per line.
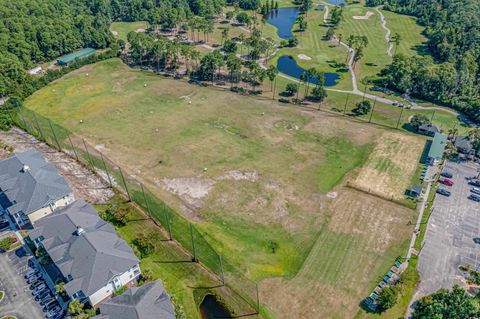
<point x="188" y="187"/>
<point x="84" y="183"/>
<point x="367" y="15"/>
<point x="239" y="176"/>
<point x="304" y="57"/>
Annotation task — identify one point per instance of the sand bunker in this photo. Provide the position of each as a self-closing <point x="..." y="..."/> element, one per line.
<point x="364" y="17"/>
<point x="140" y="30"/>
<point x="115" y="33"/>
<point x="304" y="57"/>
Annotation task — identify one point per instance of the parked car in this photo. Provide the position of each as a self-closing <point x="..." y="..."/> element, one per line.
<point x="59" y="315"/>
<point x="444" y="192"/>
<point x="31" y="273"/>
<point x="475" y="190"/>
<point x="447" y="174"/>
<point x="38" y="289"/>
<point x="42" y="295"/>
<point x="474" y="197"/>
<point x="50" y="306"/>
<point x="33" y="279"/>
<point x="46" y="301"/>
<point x="36" y="284"/>
<point x="53" y="312"/>
<point x="475" y="182"/>
<point x="4" y="223"/>
<point x="446" y="181"/>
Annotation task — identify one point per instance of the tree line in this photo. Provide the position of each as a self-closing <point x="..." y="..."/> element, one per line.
<point x="37" y="31"/>
<point x="451" y="75"/>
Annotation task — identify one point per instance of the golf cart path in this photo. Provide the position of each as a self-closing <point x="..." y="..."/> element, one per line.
<point x="389" y="32"/>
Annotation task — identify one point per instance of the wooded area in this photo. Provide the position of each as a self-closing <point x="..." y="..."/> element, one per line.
<point x="41" y="30"/>
<point x="451" y="75"/>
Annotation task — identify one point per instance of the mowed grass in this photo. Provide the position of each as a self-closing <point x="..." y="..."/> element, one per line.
<point x="412" y="39"/>
<point x="324" y="54"/>
<point x="122" y="29"/>
<point x="162" y="130"/>
<point x="375" y="54"/>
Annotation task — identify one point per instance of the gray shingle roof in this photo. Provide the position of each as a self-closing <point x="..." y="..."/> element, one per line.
<point x="150" y="301"/>
<point x="31" y="189"/>
<point x="92" y="258"/>
<point x="464" y="143"/>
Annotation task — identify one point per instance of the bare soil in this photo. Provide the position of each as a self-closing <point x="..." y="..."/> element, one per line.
<point x="84" y="183"/>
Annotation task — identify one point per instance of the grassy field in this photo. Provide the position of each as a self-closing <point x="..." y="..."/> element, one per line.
<point x="122" y="29"/>
<point x="252" y="174"/>
<point x="389" y="167"/>
<point x="413" y="41"/>
<point x="324" y="54"/>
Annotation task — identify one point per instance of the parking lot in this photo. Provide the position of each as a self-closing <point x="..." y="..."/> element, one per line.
<point x="452" y="231"/>
<point x="18" y="299"/>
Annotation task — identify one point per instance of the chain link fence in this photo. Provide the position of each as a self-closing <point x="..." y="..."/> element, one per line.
<point x="175" y="226"/>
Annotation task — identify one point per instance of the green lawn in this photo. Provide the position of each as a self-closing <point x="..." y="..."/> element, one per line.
<point x="413" y="41"/>
<point x="122" y="29"/>
<point x="185" y="143"/>
<point x="324" y="54"/>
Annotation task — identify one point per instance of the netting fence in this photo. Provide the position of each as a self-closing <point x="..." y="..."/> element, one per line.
<point x="175" y="226"/>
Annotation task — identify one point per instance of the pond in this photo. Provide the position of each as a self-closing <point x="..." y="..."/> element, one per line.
<point x="283" y="19"/>
<point x="337" y="2"/>
<point x="212" y="309"/>
<point x="287" y="65"/>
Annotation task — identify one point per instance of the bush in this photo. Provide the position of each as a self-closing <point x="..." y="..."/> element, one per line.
<point x="6" y="243"/>
<point x="146" y="244"/>
<point x="362" y="108"/>
<point x="419" y="120"/>
<point x="293" y="42"/>
<point x="283" y="100"/>
<point x="387" y="298"/>
<point x="291" y="89"/>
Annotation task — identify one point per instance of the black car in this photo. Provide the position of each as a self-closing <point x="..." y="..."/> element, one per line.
<point x="4" y="223"/>
<point x="447" y="174"/>
<point x="474" y="197"/>
<point x="475" y="183"/>
<point x="444" y="192"/>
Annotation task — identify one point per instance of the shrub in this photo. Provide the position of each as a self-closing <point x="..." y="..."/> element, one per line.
<point x="291" y="89"/>
<point x="419" y="120"/>
<point x="387" y="298"/>
<point x="362" y="108"/>
<point x="6" y="243"/>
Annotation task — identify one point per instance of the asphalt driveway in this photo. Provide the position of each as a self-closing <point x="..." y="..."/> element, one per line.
<point x="452" y="233"/>
<point x="18" y="300"/>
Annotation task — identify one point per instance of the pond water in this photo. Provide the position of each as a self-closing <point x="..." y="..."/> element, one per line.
<point x="320" y="7"/>
<point x="283" y="19"/>
<point x="212" y="309"/>
<point x="337" y="2"/>
<point x="287" y="65"/>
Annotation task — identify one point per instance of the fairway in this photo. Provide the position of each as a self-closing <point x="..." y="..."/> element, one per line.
<point x="252" y="174"/>
<point x="122" y="29"/>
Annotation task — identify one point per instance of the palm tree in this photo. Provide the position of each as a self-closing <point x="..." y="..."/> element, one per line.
<point x="350" y="42"/>
<point x="224" y="35"/>
<point x="397" y="38"/>
<point x="272" y="73"/>
<point x="234" y="65"/>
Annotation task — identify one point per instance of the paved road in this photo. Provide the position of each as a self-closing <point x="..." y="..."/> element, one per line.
<point x="449" y="241"/>
<point x="18" y="300"/>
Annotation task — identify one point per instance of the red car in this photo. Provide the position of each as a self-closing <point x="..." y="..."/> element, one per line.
<point x="446" y="181"/>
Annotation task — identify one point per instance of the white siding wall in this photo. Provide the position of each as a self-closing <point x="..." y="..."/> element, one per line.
<point x="42" y="212"/>
<point x="109" y="289"/>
